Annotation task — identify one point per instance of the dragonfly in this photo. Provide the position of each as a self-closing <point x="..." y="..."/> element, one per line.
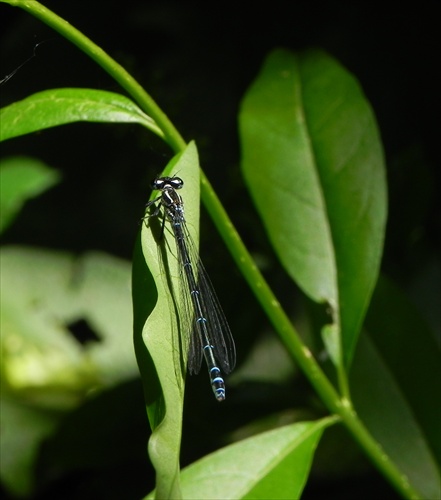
<point x="210" y="335"/>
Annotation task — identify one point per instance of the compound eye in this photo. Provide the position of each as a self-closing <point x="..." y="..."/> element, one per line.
<point x="161" y="183"/>
<point x="176" y="182"/>
<point x="158" y="183"/>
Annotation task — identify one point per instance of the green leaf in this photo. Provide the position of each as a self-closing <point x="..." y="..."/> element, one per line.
<point x="312" y="158"/>
<point x="21" y="178"/>
<point x="396" y="383"/>
<point x="163" y="359"/>
<point x="54" y="107"/>
<point x="274" y="464"/>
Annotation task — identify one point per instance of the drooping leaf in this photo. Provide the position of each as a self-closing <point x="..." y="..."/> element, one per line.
<point x="312" y="158"/>
<point x="54" y="107"/>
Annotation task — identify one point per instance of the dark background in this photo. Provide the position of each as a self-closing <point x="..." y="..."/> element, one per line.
<point x="197" y="60"/>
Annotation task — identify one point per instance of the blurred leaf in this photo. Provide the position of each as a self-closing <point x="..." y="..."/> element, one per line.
<point x="54" y="107"/>
<point x="312" y="158"/>
<point x="23" y="429"/>
<point x="44" y="366"/>
<point x="22" y="178"/>
<point x="267" y="361"/>
<point x="396" y="387"/>
<point x="43" y="293"/>
<point x="165" y="342"/>
<point x="274" y="464"/>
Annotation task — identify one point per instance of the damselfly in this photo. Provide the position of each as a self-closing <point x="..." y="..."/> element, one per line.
<point x="210" y="334"/>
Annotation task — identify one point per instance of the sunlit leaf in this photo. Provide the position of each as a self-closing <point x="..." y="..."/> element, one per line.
<point x="274" y="464"/>
<point x="312" y="158"/>
<point x="54" y="107"/>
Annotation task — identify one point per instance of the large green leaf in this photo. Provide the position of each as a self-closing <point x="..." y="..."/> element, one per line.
<point x="54" y="107"/>
<point x="274" y="464"/>
<point x="21" y="178"/>
<point x="312" y="158"/>
<point x="162" y="352"/>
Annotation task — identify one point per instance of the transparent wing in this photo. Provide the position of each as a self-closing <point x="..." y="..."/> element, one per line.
<point x="219" y="332"/>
